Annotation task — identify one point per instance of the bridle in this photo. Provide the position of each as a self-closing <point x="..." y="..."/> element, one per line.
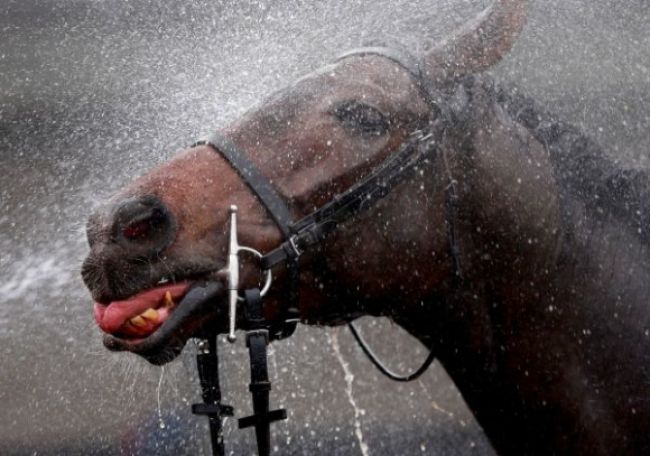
<point x="299" y="237"/>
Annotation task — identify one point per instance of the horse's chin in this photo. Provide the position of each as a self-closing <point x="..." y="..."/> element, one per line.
<point x="159" y="342"/>
<point x="154" y="351"/>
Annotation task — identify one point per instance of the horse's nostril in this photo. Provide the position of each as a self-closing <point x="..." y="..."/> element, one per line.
<point x="144" y="228"/>
<point x="145" y="224"/>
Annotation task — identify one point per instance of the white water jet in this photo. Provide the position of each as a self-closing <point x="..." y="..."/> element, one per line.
<point x="161" y="422"/>
<point x="332" y="338"/>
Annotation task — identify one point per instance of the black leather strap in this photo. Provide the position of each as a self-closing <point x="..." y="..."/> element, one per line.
<point x="208" y="366"/>
<point x="257" y="339"/>
<point x="315" y="227"/>
<point x="260" y="185"/>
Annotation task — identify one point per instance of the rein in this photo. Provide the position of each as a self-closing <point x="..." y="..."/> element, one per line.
<point x="418" y="148"/>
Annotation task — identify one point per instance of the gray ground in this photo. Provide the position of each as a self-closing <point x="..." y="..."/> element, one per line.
<point x="93" y="93"/>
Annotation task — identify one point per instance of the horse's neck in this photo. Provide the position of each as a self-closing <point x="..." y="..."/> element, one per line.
<point x="560" y="363"/>
<point x="550" y="299"/>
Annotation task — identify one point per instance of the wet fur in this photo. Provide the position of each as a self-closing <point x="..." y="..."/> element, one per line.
<point x="551" y="362"/>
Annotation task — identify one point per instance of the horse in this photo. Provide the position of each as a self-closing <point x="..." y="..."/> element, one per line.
<point x="518" y="251"/>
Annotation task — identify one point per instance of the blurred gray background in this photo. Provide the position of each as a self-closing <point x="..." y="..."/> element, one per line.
<point x="93" y="93"/>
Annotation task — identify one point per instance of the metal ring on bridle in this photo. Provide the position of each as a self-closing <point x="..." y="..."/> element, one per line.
<point x="269" y="275"/>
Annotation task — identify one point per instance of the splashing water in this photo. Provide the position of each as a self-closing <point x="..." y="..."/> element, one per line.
<point x="161" y="422"/>
<point x="94" y="93"/>
<point x="332" y="338"/>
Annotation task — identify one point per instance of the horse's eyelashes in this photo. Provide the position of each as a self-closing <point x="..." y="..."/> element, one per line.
<point x="361" y="118"/>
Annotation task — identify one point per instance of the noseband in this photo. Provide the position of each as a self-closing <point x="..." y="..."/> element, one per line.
<point x="299" y="237"/>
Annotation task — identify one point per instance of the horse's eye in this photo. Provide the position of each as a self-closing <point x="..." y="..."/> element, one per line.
<point x="361" y="118"/>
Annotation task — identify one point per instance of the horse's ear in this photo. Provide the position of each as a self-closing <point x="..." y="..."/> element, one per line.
<point x="479" y="43"/>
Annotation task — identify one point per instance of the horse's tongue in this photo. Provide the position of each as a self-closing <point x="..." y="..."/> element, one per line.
<point x="112" y="316"/>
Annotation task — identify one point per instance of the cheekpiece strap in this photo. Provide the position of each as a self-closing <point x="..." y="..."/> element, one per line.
<point x="251" y="175"/>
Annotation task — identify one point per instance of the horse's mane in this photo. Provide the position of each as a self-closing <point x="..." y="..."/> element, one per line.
<point x="581" y="166"/>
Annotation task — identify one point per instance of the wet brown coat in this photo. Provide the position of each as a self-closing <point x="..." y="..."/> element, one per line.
<point x="544" y="337"/>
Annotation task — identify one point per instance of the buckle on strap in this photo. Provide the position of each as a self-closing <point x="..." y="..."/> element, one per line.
<point x="296" y="250"/>
<point x="213" y="410"/>
<point x="288" y="250"/>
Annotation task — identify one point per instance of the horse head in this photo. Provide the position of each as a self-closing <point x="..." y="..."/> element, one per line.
<point x="312" y="140"/>
<point x="517" y="249"/>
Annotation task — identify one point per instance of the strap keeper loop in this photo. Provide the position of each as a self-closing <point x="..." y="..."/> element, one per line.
<point x="259" y="386"/>
<point x="296" y="250"/>
<point x="257" y="333"/>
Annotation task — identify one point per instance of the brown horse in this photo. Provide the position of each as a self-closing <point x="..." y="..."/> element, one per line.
<point x="547" y="333"/>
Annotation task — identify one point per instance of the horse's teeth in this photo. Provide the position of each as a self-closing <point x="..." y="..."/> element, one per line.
<point x="150" y="314"/>
<point x="163" y="281"/>
<point x="168" y="301"/>
<point x="138" y="321"/>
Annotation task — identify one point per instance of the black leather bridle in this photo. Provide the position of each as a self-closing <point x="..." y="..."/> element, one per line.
<point x="298" y="237"/>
